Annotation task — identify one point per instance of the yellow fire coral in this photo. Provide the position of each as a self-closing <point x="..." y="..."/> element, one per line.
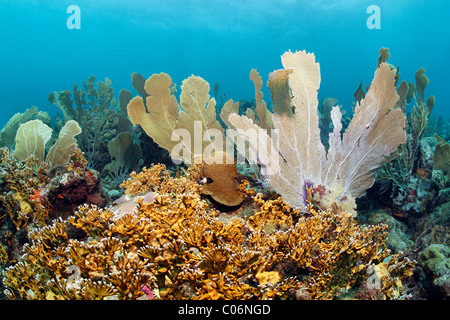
<point x="24" y="180"/>
<point x="177" y="247"/>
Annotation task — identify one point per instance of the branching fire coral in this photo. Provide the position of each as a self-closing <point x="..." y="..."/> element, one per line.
<point x="179" y="247"/>
<point x="24" y="180"/>
<point x="33" y="195"/>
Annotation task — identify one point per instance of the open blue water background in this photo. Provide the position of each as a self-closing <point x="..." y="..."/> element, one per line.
<point x="218" y="40"/>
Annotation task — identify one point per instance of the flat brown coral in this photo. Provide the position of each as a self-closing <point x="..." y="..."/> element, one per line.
<point x="221" y="172"/>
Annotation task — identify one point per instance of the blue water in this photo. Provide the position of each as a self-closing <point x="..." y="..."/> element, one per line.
<point x="218" y="40"/>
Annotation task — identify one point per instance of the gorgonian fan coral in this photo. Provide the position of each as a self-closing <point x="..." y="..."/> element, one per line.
<point x="375" y="131"/>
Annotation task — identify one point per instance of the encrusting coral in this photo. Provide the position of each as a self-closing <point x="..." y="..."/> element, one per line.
<point x="175" y="246"/>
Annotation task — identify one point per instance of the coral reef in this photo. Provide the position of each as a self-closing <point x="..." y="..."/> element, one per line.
<point x="31" y="182"/>
<point x="33" y="195"/>
<point x="108" y="139"/>
<point x="72" y="187"/>
<point x="226" y="225"/>
<point x="398" y="239"/>
<point x="177" y="247"/>
<point x="432" y="243"/>
<point x="21" y="184"/>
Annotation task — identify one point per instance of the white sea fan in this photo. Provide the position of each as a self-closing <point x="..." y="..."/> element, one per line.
<point x="376" y="131"/>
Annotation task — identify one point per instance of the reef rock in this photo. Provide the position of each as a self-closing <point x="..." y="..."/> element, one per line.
<point x="397" y="240"/>
<point x="68" y="191"/>
<point x="435" y="261"/>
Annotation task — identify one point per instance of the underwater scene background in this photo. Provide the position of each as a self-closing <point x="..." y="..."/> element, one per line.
<point x="335" y="187"/>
